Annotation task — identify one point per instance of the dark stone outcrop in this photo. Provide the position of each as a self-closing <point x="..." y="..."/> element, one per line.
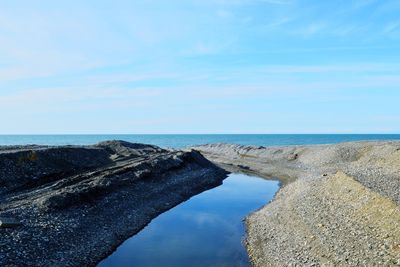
<point x="78" y="203"/>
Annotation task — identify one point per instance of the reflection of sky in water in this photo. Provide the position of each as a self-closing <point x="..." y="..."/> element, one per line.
<point x="206" y="230"/>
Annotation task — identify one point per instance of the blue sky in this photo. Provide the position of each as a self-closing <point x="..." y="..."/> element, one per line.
<point x="200" y="66"/>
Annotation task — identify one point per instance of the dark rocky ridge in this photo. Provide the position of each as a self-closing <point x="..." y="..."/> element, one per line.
<point x="78" y="203"/>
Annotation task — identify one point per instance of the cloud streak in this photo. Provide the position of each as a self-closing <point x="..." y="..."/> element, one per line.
<point x="214" y="65"/>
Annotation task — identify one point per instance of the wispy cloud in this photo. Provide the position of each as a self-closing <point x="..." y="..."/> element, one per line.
<point x="202" y="64"/>
<point x="243" y="2"/>
<point x="332" y="68"/>
<point x="391" y="27"/>
<point x="363" y="3"/>
<point x="129" y="77"/>
<point x="311" y="29"/>
<point x="224" y="14"/>
<point x="277" y="23"/>
<point x="62" y="99"/>
<point x="277" y="2"/>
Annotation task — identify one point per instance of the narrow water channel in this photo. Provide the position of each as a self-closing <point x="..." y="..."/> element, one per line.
<point x="206" y="230"/>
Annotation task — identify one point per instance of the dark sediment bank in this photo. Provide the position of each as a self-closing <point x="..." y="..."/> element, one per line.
<point x="76" y="204"/>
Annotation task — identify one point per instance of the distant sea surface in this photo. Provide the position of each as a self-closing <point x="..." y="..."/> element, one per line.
<point x="185" y="140"/>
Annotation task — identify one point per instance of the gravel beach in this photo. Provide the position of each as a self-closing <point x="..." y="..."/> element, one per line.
<point x="73" y="205"/>
<point x="339" y="204"/>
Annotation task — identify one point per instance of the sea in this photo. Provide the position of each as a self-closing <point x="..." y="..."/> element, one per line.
<point x="187" y="140"/>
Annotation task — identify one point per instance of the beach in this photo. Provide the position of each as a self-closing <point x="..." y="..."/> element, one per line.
<point x="73" y="205"/>
<point x="339" y="205"/>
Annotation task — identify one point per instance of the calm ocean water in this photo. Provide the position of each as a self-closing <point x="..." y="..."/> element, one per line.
<point x="185" y="140"/>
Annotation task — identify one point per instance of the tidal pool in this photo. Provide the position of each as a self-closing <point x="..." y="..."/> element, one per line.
<point x="206" y="230"/>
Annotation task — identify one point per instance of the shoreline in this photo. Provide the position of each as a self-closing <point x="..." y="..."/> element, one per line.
<point x="339" y="204"/>
<point x="77" y="204"/>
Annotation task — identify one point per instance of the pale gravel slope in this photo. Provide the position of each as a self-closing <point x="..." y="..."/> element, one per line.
<point x="339" y="205"/>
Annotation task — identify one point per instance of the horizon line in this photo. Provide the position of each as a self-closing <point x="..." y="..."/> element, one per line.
<point x="48" y="134"/>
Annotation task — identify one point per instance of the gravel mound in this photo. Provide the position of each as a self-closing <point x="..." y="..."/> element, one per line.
<point x="339" y="205"/>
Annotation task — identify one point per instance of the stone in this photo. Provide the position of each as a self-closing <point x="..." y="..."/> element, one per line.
<point x="7" y="222"/>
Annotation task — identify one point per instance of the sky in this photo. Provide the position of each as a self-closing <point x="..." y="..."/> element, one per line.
<point x="199" y="66"/>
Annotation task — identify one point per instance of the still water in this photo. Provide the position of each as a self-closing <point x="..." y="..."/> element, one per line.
<point x="206" y="230"/>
